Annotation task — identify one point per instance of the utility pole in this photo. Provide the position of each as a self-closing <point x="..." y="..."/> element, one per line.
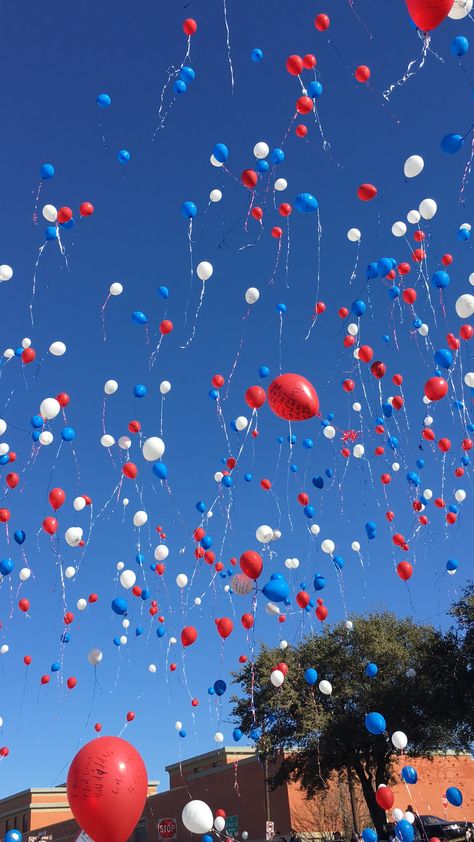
<point x="350" y="783"/>
<point x="267" y="789"/>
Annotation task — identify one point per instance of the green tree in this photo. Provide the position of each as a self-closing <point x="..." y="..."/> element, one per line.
<point x="317" y="735"/>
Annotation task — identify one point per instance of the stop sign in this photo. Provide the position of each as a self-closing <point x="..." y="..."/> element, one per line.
<point x="167" y="828"/>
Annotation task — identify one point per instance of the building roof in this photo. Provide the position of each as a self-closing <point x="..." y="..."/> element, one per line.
<point x="217" y="754"/>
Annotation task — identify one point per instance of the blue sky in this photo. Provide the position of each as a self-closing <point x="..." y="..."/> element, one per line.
<point x="52" y="71"/>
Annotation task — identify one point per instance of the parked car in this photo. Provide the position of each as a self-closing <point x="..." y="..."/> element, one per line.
<point x="442" y="829"/>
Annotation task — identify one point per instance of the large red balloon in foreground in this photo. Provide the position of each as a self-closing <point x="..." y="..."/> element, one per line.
<point x="428" y="14"/>
<point x="107" y="786"/>
<point x="293" y="398"/>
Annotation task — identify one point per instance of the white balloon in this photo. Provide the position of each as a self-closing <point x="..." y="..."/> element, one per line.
<point x="178" y="725"/>
<point x="423" y="330"/>
<point x="241" y="584"/>
<point x="181" y="580"/>
<point x="140" y="518"/>
<point x="358" y="451"/>
<point x="153" y="449"/>
<point x="241" y="423"/>
<point x="328" y="546"/>
<point x="352" y="329"/>
<point x="218" y="737"/>
<point x="277" y="678"/>
<point x="272" y="609"/>
<point x="276" y="535"/>
<point x="79" y="504"/>
<point x="325" y="687"/>
<point x="413" y="217"/>
<point x="469" y="379"/>
<point x="1" y="726"/>
<point x="413" y="166"/>
<point x="204" y="270"/>
<point x="94" y="657"/>
<point x="471" y="278"/>
<point x="252" y="295"/>
<point x="356" y="406"/>
<point x="395" y="466"/>
<point x="127" y="579"/>
<point x="354" y="235"/>
<point x="69" y="572"/>
<point x="4" y="448"/>
<point x="426" y="400"/>
<point x="329" y="432"/>
<point x="460" y="9"/>
<point x="107" y="441"/>
<point x="46" y="437"/>
<point x="3" y="426"/>
<point x="219" y="823"/>
<point x="25" y="574"/>
<point x="466" y="225"/>
<point x="110" y="386"/>
<point x="460" y="495"/>
<point x="428" y="420"/>
<point x="161" y="552"/>
<point x="355" y="546"/>
<point x="6" y="272"/>
<point x="26" y="343"/>
<point x="50" y="213"/>
<point x="116" y="288"/>
<point x="124" y="442"/>
<point x="218" y="476"/>
<point x="125" y="501"/>
<point x="81" y="604"/>
<point x="315" y="529"/>
<point x="399" y="740"/>
<point x="428" y="208"/>
<point x="281" y="184"/>
<point x="264" y="533"/>
<point x="197" y="817"/>
<point x="152" y="668"/>
<point x="198" y="600"/>
<point x="50" y="408"/>
<point x="215" y="162"/>
<point x="173" y="641"/>
<point x="349" y="625"/>
<point x="409" y="816"/>
<point x="165" y="387"/>
<point x="126" y="623"/>
<point x="57" y="349"/>
<point x="427" y="493"/>
<point x="397" y="814"/>
<point x="465" y="306"/>
<point x="123" y="639"/>
<point x="399" y="229"/>
<point x="215" y="195"/>
<point x="4" y="649"/>
<point x="73" y="536"/>
<point x="245" y="835"/>
<point x="8" y="353"/>
<point x="261" y="150"/>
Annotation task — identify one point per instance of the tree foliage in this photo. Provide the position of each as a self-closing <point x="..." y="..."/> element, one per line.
<point x="318" y="735"/>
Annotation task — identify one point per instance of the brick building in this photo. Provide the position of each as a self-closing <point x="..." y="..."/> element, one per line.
<point x="234" y="779"/>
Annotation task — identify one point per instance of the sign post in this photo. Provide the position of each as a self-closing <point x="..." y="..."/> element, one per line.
<point x="232" y="825"/>
<point x="167" y="828"/>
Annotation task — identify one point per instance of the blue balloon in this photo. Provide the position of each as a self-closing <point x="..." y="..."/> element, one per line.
<point x="67" y="225"/>
<point x="262" y="166"/>
<point x="358" y="307"/>
<point x="220" y="152"/>
<point x="163" y="292"/>
<point x="68" y="434"/>
<point x="387" y="410"/>
<point x="213" y="394"/>
<point x="371" y="670"/>
<point x="139" y="558"/>
<point x="206" y="542"/>
<point x="189" y="210"/>
<point x="308" y="444"/>
<point x="145" y="594"/>
<point x="420" y="463"/>
<point x="187" y="74"/>
<point x="404" y="831"/>
<point x="310" y="676"/>
<point x="315" y="89"/>
<point x="56" y="666"/>
<point x="139" y="390"/>
<point x="452" y="564"/>
<point x="220" y="687"/>
<point x="371" y="529"/>
<point x="306" y="203"/>
<point x="123" y="156"/>
<point x="309" y="511"/>
<point x="369" y="835"/>
<point x="375" y="723"/>
<point x="139" y="318"/>
<point x="183" y="732"/>
<point x="319" y="582"/>
<point x="161" y="631"/>
<point x="13" y="835"/>
<point x="318" y="482"/>
<point x="35" y="436"/>
<point x="371" y="272"/>
<point x="37" y="421"/>
<point x="51" y="233"/>
<point x="116" y="641"/>
<point x="440" y="279"/>
<point x="65" y="637"/>
<point x="394" y="292"/>
<point x="160" y="470"/>
<point x="6" y="566"/>
<point x="338" y="561"/>
<point x="206" y="837"/>
<point x="409" y="775"/>
<point x="384" y="266"/>
<point x="47" y="171"/>
<point x="443" y="358"/>
<point x="19" y="536"/>
<point x="454" y="796"/>
<point x="263" y="371"/>
<point x="256" y="733"/>
<point x="281" y="308"/>
<point x="413" y="478"/>
<point x="451" y="143"/>
<point x="459" y="45"/>
<point x="277" y="156"/>
<point x="104" y="101"/>
<point x="464" y="234"/>
<point x="277" y="589"/>
<point x="248" y="477"/>
<point x="237" y="734"/>
<point x="119" y="605"/>
<point x="139" y="631"/>
<point x="256" y="54"/>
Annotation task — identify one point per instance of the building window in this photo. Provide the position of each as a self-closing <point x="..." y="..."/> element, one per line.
<point x="7" y="825"/>
<point x="24" y="828"/>
<point x="15" y="823"/>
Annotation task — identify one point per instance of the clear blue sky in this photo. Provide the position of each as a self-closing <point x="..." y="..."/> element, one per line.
<point x="56" y="58"/>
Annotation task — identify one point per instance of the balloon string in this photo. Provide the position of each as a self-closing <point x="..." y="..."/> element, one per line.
<point x="229" y="57"/>
<point x="172" y="72"/>
<point x="362" y="23"/>
<point x="318" y="272"/>
<point x="280" y="336"/>
<point x="191" y="266"/>
<point x="413" y="67"/>
<point x="275" y="268"/>
<point x="467" y="172"/>
<point x="237" y="356"/>
<point x="35" y="215"/>
<point x="33" y="293"/>
<point x="102" y="316"/>
<point x="356" y="264"/>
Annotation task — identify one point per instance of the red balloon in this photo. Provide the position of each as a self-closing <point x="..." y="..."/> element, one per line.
<point x="321" y="612"/>
<point x="365" y="353"/>
<point x="404" y="570"/>
<point x="409" y="295"/>
<point x="247" y="621"/>
<point x="4" y="751"/>
<point x="404" y="268"/>
<point x="86" y="209"/>
<point x="257" y="213"/>
<point x="303" y="599"/>
<point x="419" y="236"/>
<point x="68" y="618"/>
<point x="27" y="660"/>
<point x="45" y="679"/>
<point x="466" y="332"/>
<point x="447" y="259"/>
<point x="107" y="786"/>
<point x="64" y="214"/>
<point x="50" y="525"/>
<point x="285" y="209"/>
<point x="28" y="355"/>
<point x="444" y="445"/>
<point x="251" y="564"/>
<point x="292" y="397"/>
<point x="348" y="385"/>
<point x="218" y="381"/>
<point x="436" y="388"/>
<point x="98" y="727"/>
<point x="166" y="327"/>
<point x="189" y="26"/>
<point x="418" y="255"/>
<point x="63" y="399"/>
<point x="255" y="397"/>
<point x="320" y="307"/>
<point x="24" y="605"/>
<point x="276" y="232"/>
<point x="303" y="498"/>
<point x="385" y="797"/>
<point x="385" y="479"/>
<point x="294" y="65"/>
<point x="362" y="73"/>
<point x="366" y="192"/>
<point x="466" y="444"/>
<point x="130" y="470"/>
<point x="428" y="14"/>
<point x="56" y="498"/>
<point x="304" y="105"/>
<point x="249" y="178"/>
<point x="309" y="61"/>
<point x="221" y="813"/>
<point x="224" y="626"/>
<point x="301" y="130"/>
<point x="4" y="515"/>
<point x="71" y="682"/>
<point x="378" y="369"/>
<point x="453" y="341"/>
<point x="397" y="402"/>
<point x="282" y="667"/>
<point x="134" y="426"/>
<point x="12" y="480"/>
<point x="188" y="636"/>
<point x="322" y="22"/>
